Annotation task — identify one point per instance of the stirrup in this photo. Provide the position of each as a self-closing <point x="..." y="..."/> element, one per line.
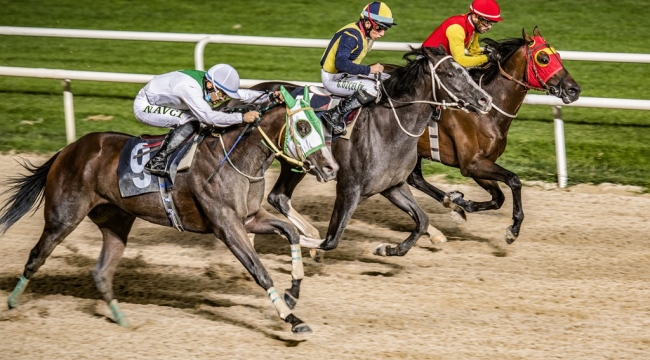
<point x="337" y="132"/>
<point x="156" y="167"/>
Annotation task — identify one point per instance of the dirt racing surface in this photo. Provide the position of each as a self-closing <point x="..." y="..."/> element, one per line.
<point x="575" y="285"/>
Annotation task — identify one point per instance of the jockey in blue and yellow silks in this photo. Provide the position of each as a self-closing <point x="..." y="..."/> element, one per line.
<point x="341" y="70"/>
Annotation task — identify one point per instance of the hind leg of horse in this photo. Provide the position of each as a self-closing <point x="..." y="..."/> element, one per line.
<point x="60" y="221"/>
<point x="486" y="173"/>
<point x="416" y="180"/>
<point x="280" y="199"/>
<point x="235" y="237"/>
<point x="402" y="197"/>
<point x="115" y="225"/>
<point x="265" y="223"/>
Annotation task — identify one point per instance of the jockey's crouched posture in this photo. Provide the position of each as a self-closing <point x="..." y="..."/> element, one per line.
<point x="342" y="73"/>
<point x="183" y="99"/>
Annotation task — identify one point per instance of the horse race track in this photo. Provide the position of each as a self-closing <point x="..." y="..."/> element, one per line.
<point x="575" y="285"/>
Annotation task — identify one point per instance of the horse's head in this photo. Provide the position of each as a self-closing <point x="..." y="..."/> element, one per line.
<point x="545" y="70"/>
<point x="451" y="82"/>
<point x="304" y="141"/>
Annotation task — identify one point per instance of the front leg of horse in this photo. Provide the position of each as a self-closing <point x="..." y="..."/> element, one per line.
<point x="416" y="179"/>
<point x="265" y="223"/>
<point x="457" y="198"/>
<point x="517" y="209"/>
<point x="402" y="197"/>
<point x="234" y="236"/>
<point x="280" y="199"/>
<point x="487" y="174"/>
<point x="347" y="199"/>
<point x="498" y="199"/>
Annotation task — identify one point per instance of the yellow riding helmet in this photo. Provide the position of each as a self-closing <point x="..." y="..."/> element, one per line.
<point x="378" y="12"/>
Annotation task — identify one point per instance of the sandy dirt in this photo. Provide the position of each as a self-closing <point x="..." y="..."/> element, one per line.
<point x="575" y="285"/>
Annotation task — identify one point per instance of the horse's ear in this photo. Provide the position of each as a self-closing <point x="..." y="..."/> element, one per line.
<point x="288" y="99"/>
<point x="536" y="31"/>
<point x="529" y="40"/>
<point x="442" y="48"/>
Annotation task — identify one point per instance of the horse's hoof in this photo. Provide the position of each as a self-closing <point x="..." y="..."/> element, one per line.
<point x="290" y="300"/>
<point x="438" y="239"/>
<point x="317" y="255"/>
<point x="12" y="303"/>
<point x="123" y="322"/>
<point x="455" y="195"/>
<point x="301" y="329"/>
<point x="458" y="217"/>
<point x="381" y="250"/>
<point x="510" y="236"/>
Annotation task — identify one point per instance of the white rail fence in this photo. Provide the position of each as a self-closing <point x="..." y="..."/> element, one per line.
<point x="202" y="40"/>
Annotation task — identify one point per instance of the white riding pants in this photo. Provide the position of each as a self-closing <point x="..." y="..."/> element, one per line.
<point x="343" y="84"/>
<point x="159" y="116"/>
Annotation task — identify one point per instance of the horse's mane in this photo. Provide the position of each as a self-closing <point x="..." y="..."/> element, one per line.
<point x="403" y="79"/>
<point x="505" y="48"/>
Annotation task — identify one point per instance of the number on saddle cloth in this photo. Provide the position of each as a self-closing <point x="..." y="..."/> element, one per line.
<point x="133" y="179"/>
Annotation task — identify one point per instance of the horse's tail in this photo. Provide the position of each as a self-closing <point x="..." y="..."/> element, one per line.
<point x="27" y="193"/>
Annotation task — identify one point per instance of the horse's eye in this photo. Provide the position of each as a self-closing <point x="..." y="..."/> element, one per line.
<point x="303" y="127"/>
<point x="543" y="59"/>
<point x="451" y="74"/>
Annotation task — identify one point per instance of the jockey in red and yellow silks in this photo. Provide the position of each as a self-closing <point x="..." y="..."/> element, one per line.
<point x="461" y="32"/>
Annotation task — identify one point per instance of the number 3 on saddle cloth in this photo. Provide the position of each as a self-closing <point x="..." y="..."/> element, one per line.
<point x="321" y="100"/>
<point x="134" y="179"/>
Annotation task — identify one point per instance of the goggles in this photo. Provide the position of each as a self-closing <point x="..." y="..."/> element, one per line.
<point x="485" y="21"/>
<point x="379" y="27"/>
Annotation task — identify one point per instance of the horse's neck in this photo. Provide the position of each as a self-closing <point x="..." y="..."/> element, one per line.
<point x="248" y="156"/>
<point x="413" y="117"/>
<point x="507" y="94"/>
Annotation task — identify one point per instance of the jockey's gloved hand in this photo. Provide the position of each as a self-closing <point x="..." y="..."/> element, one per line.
<point x="492" y="55"/>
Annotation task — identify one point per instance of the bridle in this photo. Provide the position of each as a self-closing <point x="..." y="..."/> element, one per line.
<point x="435" y="80"/>
<point x="531" y="68"/>
<point x="299" y="160"/>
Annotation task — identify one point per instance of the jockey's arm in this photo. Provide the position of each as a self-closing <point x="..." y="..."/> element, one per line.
<point x="259" y="97"/>
<point x="203" y="111"/>
<point x="343" y="63"/>
<point x="456" y="36"/>
<point x="253" y="96"/>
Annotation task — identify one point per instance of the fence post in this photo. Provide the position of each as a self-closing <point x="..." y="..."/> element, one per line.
<point x="560" y="151"/>
<point x="68" y="110"/>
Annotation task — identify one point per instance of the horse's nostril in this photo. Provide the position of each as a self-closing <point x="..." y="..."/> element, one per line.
<point x="483" y="101"/>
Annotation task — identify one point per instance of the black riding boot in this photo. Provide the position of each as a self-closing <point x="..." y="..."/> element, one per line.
<point x="158" y="164"/>
<point x="334" y="116"/>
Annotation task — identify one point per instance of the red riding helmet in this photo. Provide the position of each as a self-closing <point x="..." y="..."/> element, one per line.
<point x="488" y="9"/>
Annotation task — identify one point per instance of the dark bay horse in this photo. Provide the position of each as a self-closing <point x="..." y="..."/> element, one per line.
<point x="474" y="142"/>
<point x="81" y="180"/>
<point x="381" y="150"/>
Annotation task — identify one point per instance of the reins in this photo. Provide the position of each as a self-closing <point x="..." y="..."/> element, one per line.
<point x="300" y="163"/>
<point x="434" y="79"/>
